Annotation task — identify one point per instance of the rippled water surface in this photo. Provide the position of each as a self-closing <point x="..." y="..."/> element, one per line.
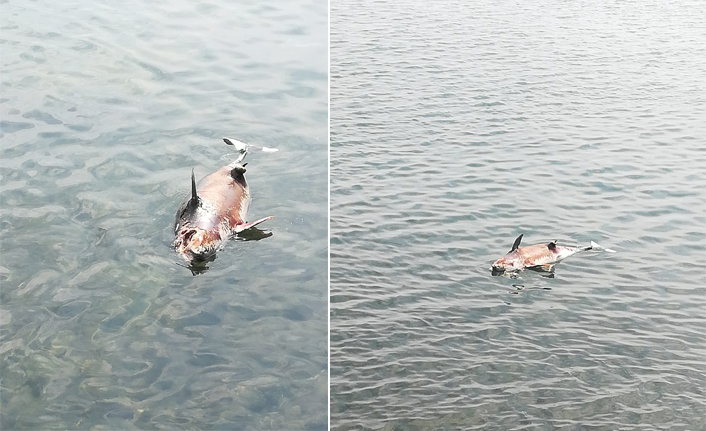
<point x="105" y="109"/>
<point x="456" y="126"/>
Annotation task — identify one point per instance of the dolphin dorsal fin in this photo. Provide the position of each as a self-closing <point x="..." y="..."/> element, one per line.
<point x="551" y="245"/>
<point x="194" y="201"/>
<point x="194" y="196"/>
<point x="517" y="242"/>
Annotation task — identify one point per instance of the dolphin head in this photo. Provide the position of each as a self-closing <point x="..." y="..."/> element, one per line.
<point x="506" y="263"/>
<point x="511" y="261"/>
<point x="198" y="230"/>
<point x="197" y="245"/>
<point x="498" y="266"/>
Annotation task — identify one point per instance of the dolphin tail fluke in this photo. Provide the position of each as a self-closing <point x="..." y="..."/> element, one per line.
<point x="247" y="226"/>
<point x="597" y="247"/>
<point x="245" y="147"/>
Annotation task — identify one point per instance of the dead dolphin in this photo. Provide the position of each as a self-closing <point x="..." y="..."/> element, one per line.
<point x="214" y="212"/>
<point x="538" y="256"/>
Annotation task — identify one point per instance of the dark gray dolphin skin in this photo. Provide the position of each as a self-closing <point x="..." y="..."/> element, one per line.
<point x="216" y="211"/>
<point x="538" y="256"/>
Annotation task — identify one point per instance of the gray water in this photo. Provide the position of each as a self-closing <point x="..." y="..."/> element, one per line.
<point x="105" y="109"/>
<point x="456" y="126"/>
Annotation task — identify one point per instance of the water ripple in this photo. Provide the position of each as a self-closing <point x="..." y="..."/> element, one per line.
<point x="453" y="129"/>
<point x="104" y="113"/>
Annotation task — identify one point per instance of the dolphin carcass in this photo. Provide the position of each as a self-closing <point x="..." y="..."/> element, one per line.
<point x="538" y="256"/>
<point x="216" y="211"/>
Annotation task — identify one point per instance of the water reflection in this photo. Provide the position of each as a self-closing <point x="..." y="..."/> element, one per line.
<point x="547" y="271"/>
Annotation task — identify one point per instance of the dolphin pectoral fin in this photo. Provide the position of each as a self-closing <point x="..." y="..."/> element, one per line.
<point x="517" y="242"/>
<point x="246" y="226"/>
<point x="543" y="268"/>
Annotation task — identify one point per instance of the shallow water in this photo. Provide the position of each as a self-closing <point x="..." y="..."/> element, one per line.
<point x="104" y="113"/>
<point x="456" y="127"/>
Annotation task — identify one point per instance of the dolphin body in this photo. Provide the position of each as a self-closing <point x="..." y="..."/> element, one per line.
<point x="538" y="256"/>
<point x="216" y="210"/>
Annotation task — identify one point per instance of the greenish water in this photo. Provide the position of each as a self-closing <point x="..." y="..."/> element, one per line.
<point x="104" y="111"/>
<point x="456" y="126"/>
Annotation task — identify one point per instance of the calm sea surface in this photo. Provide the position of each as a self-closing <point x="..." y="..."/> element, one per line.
<point x="105" y="109"/>
<point x="456" y="126"/>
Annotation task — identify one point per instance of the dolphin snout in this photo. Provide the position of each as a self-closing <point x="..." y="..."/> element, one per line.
<point x="498" y="267"/>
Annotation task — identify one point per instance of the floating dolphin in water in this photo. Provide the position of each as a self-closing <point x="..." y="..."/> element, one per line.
<point x="538" y="256"/>
<point x="215" y="211"/>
